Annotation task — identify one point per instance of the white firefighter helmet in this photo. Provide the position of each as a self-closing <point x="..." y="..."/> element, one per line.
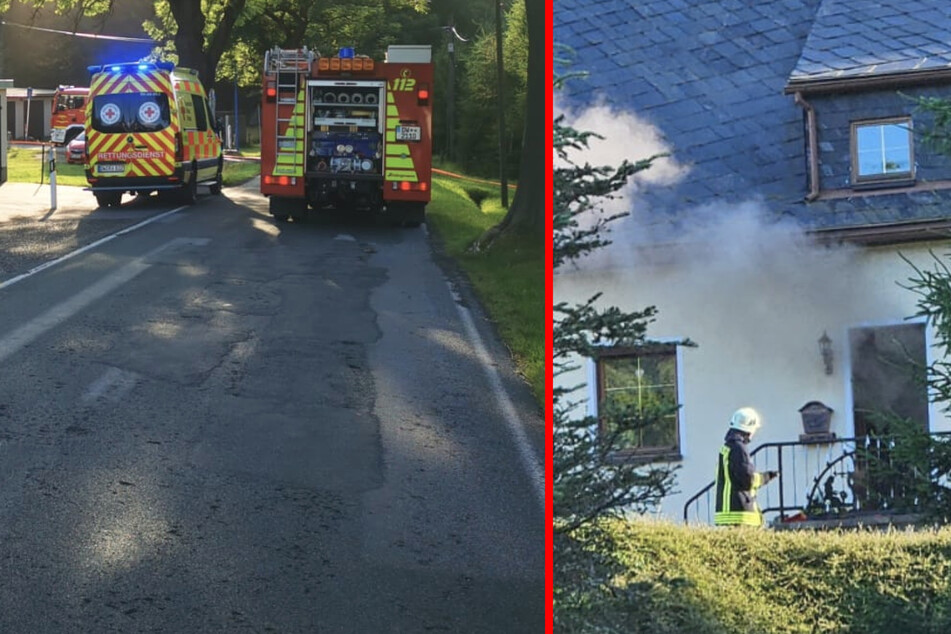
<point x="745" y="419"/>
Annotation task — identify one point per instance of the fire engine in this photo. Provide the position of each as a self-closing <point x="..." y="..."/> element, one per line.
<point x="347" y="132"/>
<point x="69" y="113"/>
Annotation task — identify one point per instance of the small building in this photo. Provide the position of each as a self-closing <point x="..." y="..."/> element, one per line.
<point x="35" y="103"/>
<point x="5" y="84"/>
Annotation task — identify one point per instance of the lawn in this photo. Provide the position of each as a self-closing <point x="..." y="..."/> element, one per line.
<point x="27" y="164"/>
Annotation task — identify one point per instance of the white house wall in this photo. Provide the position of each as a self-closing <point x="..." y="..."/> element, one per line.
<point x="756" y="308"/>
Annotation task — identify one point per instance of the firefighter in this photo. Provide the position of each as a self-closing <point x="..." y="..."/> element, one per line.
<point x="737" y="479"/>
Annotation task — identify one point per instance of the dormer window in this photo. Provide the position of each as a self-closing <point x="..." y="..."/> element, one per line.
<point x="882" y="151"/>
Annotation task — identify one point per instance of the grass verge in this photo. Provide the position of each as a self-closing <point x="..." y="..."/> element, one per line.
<point x="25" y="164"/>
<point x="237" y="172"/>
<point x="509" y="278"/>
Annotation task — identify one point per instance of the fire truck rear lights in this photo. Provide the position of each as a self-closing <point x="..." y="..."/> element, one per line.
<point x="423" y="94"/>
<point x="280" y="180"/>
<point x="404" y="186"/>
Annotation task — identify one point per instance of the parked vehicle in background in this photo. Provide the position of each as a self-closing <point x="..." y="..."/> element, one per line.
<point x="69" y="113"/>
<point x="76" y="149"/>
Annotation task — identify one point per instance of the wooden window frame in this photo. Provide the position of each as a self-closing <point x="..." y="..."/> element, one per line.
<point x="638" y="454"/>
<point x="879" y="180"/>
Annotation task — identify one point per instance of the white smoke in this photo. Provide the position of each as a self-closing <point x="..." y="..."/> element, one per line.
<point x="625" y="136"/>
<point x="743" y="253"/>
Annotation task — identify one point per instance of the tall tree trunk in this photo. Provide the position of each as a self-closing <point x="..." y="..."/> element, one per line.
<point x="526" y="215"/>
<point x="190" y="38"/>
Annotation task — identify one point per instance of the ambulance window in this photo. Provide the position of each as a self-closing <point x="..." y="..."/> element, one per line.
<point x="130" y="112"/>
<point x="201" y="118"/>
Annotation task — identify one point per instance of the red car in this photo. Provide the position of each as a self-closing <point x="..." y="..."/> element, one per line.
<point x="76" y="149"/>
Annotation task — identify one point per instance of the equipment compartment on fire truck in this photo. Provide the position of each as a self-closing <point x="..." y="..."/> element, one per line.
<point x="346" y="132"/>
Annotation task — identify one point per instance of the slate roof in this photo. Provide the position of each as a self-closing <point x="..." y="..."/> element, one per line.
<point x="855" y="38"/>
<point x="710" y="74"/>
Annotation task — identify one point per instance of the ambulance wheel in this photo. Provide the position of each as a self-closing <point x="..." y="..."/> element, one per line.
<point x="109" y="199"/>
<point x="215" y="188"/>
<point x="189" y="192"/>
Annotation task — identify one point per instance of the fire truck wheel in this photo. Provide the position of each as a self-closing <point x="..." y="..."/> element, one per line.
<point x="299" y="214"/>
<point x="189" y="191"/>
<point x="413" y="215"/>
<point x="109" y="199"/>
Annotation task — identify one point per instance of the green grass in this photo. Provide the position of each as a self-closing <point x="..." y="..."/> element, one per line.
<point x="26" y="163"/>
<point x="665" y="579"/>
<point x="509" y="278"/>
<point x="237" y="172"/>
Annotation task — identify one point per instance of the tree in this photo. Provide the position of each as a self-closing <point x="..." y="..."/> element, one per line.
<point x="200" y="31"/>
<point x="587" y="483"/>
<point x="919" y="463"/>
<point x="526" y="215"/>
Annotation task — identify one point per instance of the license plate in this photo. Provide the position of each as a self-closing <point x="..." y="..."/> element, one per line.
<point x="110" y="168"/>
<point x="408" y="133"/>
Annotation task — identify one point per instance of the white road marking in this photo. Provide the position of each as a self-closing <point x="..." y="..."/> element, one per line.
<point x="345" y="236"/>
<point x="530" y="463"/>
<point x="56" y="315"/>
<point x="88" y="247"/>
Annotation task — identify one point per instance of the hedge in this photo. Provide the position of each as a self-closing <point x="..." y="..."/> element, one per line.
<point x="643" y="576"/>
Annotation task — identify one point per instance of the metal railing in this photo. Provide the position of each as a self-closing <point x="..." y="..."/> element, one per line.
<point x="834" y="477"/>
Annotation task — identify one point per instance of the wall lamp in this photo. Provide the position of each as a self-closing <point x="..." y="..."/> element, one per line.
<point x="825" y="349"/>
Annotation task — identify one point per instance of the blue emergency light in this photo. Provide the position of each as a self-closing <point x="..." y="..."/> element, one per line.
<point x="130" y="67"/>
<point x="346" y="53"/>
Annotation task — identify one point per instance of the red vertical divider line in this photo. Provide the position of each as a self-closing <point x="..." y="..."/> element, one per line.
<point x="549" y="271"/>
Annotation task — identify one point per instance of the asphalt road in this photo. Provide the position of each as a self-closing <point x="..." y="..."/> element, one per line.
<point x="217" y="423"/>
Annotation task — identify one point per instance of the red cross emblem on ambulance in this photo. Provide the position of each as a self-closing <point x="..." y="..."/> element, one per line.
<point x="109" y="114"/>
<point x="149" y="112"/>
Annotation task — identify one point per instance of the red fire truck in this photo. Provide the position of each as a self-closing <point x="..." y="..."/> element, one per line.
<point x="347" y="132"/>
<point x="69" y="113"/>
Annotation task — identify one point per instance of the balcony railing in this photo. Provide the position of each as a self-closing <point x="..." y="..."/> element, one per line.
<point x="832" y="479"/>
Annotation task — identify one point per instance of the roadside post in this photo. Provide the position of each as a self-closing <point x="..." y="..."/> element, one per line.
<point x="29" y="100"/>
<point x="52" y="178"/>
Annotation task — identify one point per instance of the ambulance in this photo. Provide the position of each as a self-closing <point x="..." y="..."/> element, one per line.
<point x="149" y="129"/>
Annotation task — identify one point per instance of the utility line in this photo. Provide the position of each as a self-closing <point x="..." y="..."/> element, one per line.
<point x="95" y="36"/>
